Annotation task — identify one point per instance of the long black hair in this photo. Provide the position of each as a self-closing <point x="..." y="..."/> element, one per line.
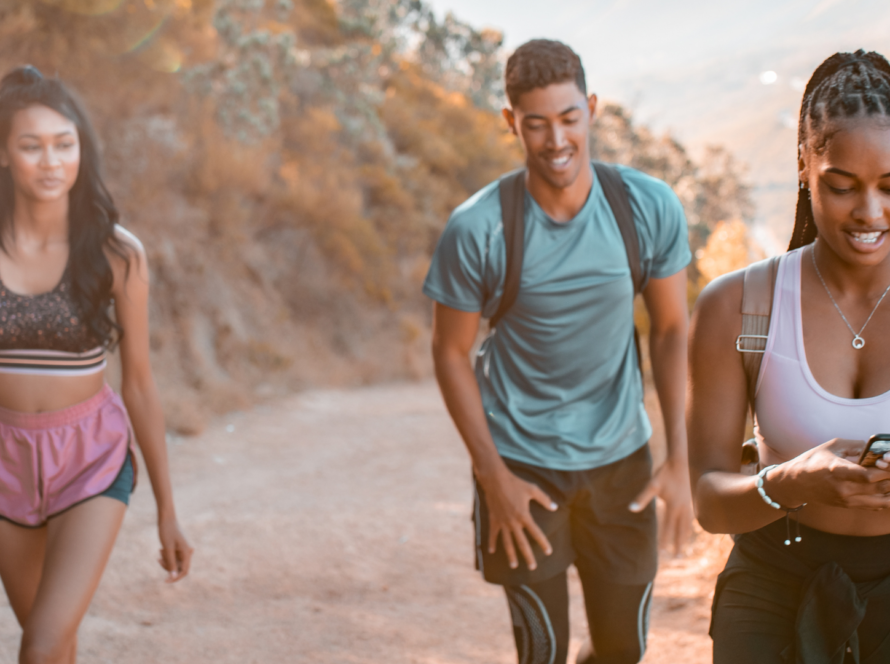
<point x="92" y="215"/>
<point x="846" y="85"/>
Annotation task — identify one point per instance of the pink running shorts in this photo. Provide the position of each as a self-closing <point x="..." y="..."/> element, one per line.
<point x="52" y="461"/>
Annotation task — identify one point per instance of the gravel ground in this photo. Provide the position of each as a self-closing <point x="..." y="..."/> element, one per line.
<point x="333" y="527"/>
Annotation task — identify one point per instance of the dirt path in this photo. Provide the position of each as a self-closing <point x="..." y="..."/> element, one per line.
<point x="333" y="527"/>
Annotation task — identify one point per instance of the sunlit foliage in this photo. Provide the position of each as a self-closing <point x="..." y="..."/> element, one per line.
<point x="729" y="248"/>
<point x="711" y="189"/>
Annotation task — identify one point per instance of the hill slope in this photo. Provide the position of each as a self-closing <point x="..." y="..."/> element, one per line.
<point x="289" y="167"/>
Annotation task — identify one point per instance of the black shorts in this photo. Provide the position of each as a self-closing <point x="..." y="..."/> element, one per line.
<point x="592" y="528"/>
<point x="760" y="599"/>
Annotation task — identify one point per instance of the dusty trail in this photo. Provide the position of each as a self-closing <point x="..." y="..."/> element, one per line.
<point x="333" y="527"/>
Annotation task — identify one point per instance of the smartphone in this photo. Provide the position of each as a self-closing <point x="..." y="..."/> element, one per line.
<point x="876" y="447"/>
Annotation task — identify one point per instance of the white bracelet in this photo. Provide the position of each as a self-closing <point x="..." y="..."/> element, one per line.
<point x="761" y="476"/>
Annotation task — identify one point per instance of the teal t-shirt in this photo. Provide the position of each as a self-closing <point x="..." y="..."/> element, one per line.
<point x="559" y="378"/>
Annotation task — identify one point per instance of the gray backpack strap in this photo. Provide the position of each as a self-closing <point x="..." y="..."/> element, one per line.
<point x="512" y="193"/>
<point x="757" y="306"/>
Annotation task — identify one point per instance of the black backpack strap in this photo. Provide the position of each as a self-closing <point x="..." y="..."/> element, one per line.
<point x="616" y="195"/>
<point x="512" y="192"/>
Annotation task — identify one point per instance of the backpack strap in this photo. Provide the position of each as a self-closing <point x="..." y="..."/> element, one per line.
<point x="616" y="195"/>
<point x="512" y="193"/>
<point x="757" y="306"/>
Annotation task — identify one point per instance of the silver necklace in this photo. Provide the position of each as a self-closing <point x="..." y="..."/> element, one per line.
<point x="858" y="341"/>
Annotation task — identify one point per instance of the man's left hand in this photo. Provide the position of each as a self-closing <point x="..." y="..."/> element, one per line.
<point x="671" y="484"/>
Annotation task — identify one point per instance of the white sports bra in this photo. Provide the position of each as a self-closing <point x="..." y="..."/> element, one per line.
<point x="793" y="413"/>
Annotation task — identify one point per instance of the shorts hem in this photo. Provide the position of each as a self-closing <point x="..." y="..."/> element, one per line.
<point x="520" y="577"/>
<point x="98" y="494"/>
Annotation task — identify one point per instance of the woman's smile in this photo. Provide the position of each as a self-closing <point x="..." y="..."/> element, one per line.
<point x="866" y="241"/>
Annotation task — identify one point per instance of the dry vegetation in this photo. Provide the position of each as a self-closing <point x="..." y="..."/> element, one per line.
<point x="289" y="166"/>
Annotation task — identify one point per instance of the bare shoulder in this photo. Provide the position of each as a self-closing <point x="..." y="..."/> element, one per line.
<point x="126" y="256"/>
<point x="717" y="313"/>
<point x="127" y="238"/>
<point x="130" y="245"/>
<point x="723" y="296"/>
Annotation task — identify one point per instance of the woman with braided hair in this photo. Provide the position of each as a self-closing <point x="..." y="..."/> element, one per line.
<point x="66" y="462"/>
<point x="808" y="580"/>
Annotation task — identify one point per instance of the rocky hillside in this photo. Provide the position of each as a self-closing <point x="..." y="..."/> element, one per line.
<point x="289" y="165"/>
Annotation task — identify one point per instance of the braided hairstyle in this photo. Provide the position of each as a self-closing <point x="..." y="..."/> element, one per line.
<point x="846" y="85"/>
<point x="92" y="213"/>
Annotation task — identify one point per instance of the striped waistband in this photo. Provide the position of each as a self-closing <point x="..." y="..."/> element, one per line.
<point x="52" y="362"/>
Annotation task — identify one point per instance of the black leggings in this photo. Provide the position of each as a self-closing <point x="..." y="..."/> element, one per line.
<point x="618" y="616"/>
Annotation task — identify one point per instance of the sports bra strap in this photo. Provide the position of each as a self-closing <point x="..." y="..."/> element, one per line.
<point x="757" y="305"/>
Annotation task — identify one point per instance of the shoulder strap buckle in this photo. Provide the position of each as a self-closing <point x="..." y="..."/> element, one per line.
<point x="757" y="305"/>
<point x="739" y="343"/>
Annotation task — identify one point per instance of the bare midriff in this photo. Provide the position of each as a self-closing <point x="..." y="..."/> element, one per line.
<point x="29" y="393"/>
<point x="837" y="520"/>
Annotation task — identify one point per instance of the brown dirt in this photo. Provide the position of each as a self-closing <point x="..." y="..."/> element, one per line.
<point x="333" y="527"/>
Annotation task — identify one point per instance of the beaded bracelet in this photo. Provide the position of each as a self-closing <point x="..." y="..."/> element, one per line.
<point x="761" y="476"/>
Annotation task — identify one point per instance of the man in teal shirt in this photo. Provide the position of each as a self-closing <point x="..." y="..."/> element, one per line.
<point x="553" y="415"/>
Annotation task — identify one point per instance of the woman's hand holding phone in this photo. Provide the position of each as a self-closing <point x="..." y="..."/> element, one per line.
<point x="830" y="474"/>
<point x="876" y="452"/>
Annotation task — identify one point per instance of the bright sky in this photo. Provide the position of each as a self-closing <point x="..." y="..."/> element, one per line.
<point x="625" y="43"/>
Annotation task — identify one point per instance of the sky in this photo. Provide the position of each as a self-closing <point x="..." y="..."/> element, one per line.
<point x="708" y="72"/>
<point x="624" y="41"/>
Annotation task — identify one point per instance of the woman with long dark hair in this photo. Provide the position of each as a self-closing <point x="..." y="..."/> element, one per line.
<point x="66" y="462"/>
<point x="808" y="580"/>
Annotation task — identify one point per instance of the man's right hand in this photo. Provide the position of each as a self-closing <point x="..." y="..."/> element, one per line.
<point x="454" y="333"/>
<point x="509" y="516"/>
